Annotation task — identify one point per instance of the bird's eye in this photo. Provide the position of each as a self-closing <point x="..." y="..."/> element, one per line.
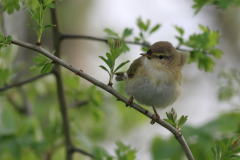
<point x="161" y="56"/>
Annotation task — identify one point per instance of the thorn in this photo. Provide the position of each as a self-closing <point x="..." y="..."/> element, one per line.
<point x="53" y="62"/>
<point x="76" y="73"/>
<point x="70" y="66"/>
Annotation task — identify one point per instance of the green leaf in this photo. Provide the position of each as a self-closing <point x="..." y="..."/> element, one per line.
<point x="41" y="59"/>
<point x="155" y="28"/>
<point x="213" y="153"/>
<point x="47" y="68"/>
<point x="127" y="32"/>
<point x="182" y="120"/>
<point x="106" y="61"/>
<point x="169" y="121"/>
<point x="136" y="39"/>
<point x="33" y="27"/>
<point x="9" y="39"/>
<point x="31" y="12"/>
<point x="110" y="32"/>
<point x="180" y="39"/>
<point x="180" y="30"/>
<point x="104" y="68"/>
<point x="49" y="26"/>
<point x="217" y="53"/>
<point x="34" y="68"/>
<point x="140" y="24"/>
<point x="10" y="5"/>
<point x="51" y="5"/>
<point x="145" y="49"/>
<point x="121" y="65"/>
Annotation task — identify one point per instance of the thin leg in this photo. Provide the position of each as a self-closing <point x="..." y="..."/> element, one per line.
<point x="155" y="115"/>
<point x="130" y="101"/>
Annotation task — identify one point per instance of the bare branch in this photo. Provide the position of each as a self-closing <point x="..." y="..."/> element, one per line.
<point x="73" y="36"/>
<point x="74" y="149"/>
<point x="78" y="104"/>
<point x="109" y="89"/>
<point x="23" y="82"/>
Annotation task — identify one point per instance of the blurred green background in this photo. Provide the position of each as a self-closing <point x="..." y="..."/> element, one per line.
<point x="211" y="100"/>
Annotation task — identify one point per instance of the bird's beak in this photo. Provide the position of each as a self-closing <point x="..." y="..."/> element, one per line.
<point x="146" y="55"/>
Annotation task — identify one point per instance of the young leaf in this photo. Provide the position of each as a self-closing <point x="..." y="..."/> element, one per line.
<point x="136" y="39"/>
<point x="140" y="24"/>
<point x="31" y="12"/>
<point x="145" y="49"/>
<point x="106" y="61"/>
<point x="104" y="68"/>
<point x="180" y="30"/>
<point x="121" y="65"/>
<point x="110" y="32"/>
<point x="49" y="26"/>
<point x="32" y="27"/>
<point x="51" y="5"/>
<point x="155" y="28"/>
<point x="169" y="121"/>
<point x="47" y="68"/>
<point x="182" y="120"/>
<point x="9" y="39"/>
<point x="127" y="32"/>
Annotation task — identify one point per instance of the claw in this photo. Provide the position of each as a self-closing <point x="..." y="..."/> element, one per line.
<point x="155" y="115"/>
<point x="130" y="101"/>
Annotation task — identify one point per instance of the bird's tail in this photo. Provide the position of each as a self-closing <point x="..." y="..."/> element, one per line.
<point x="121" y="76"/>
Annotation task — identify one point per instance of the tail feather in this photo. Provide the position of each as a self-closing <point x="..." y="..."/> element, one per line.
<point x="121" y="76"/>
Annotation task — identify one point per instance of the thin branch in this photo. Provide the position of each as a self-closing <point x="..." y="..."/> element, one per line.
<point x="78" y="104"/>
<point x="60" y="90"/>
<point x="23" y="82"/>
<point x="73" y="36"/>
<point x="109" y="89"/>
<point x="74" y="149"/>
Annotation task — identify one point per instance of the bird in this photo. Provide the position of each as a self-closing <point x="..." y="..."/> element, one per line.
<point x="155" y="78"/>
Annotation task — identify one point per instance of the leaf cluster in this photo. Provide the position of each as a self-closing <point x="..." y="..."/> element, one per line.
<point x="117" y="47"/>
<point x="172" y="119"/>
<point x="203" y="46"/>
<point x="223" y="4"/>
<point x="38" y="14"/>
<point x="227" y="149"/>
<point x="42" y="62"/>
<point x="145" y="31"/>
<point x="4" y="42"/>
<point x="123" y="152"/>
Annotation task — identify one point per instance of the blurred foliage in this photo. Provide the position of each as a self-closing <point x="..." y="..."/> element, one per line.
<point x="145" y="32"/>
<point x="223" y="4"/>
<point x="203" y="46"/>
<point x="227" y="149"/>
<point x="200" y="139"/>
<point x="229" y="82"/>
<point x="123" y="152"/>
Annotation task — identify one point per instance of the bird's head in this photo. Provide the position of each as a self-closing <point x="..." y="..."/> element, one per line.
<point x="162" y="53"/>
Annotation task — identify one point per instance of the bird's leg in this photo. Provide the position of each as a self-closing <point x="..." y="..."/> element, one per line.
<point x="155" y="115"/>
<point x="130" y="101"/>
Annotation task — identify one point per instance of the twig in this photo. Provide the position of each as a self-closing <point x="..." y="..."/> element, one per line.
<point x="78" y="104"/>
<point x="23" y="82"/>
<point x="74" y="149"/>
<point x="109" y="89"/>
<point x="73" y="36"/>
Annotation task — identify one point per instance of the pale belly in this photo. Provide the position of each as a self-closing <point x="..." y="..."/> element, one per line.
<point x="148" y="93"/>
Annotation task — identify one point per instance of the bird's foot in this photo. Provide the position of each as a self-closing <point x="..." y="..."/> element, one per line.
<point x="130" y="101"/>
<point x="155" y="116"/>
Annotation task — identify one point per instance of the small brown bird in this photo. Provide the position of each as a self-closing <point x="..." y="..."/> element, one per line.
<point x="155" y="78"/>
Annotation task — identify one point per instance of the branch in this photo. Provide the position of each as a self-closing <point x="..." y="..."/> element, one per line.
<point x="73" y="36"/>
<point x="109" y="89"/>
<point x="74" y="149"/>
<point x="23" y="82"/>
<point x="78" y="104"/>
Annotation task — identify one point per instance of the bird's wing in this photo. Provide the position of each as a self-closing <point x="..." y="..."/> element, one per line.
<point x="135" y="67"/>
